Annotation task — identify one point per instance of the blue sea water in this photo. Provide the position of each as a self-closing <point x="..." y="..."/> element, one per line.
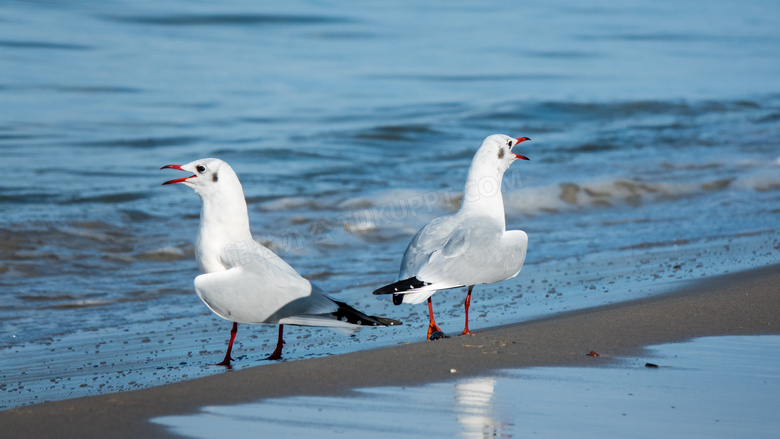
<point x="655" y="160"/>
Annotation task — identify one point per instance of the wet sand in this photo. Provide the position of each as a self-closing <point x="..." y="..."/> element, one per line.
<point x="733" y="304"/>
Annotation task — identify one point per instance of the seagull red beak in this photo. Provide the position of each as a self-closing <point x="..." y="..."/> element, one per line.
<point x="519" y="140"/>
<point x="178" y="180"/>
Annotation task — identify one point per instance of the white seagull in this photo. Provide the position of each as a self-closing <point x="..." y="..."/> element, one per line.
<point x="245" y="282"/>
<point x="470" y="246"/>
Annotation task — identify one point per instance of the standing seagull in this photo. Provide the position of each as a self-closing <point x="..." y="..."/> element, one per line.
<point x="470" y="246"/>
<point x="243" y="281"/>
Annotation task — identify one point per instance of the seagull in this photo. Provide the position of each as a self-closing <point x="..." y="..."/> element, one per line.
<point x="243" y="281"/>
<point x="470" y="246"/>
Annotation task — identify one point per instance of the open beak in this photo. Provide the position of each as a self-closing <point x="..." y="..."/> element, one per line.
<point x="178" y="180"/>
<point x="519" y="140"/>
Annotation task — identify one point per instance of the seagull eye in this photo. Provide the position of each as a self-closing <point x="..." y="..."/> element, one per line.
<point x="200" y="168"/>
<point x="509" y="143"/>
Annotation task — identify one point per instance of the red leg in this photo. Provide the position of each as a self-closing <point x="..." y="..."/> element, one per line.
<point x="277" y="353"/>
<point x="432" y="326"/>
<point x="226" y="361"/>
<point x="466" y="305"/>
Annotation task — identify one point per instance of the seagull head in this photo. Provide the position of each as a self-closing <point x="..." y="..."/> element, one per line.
<point x="210" y="177"/>
<point x="497" y="150"/>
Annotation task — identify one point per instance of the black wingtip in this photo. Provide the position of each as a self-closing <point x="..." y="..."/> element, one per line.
<point x="387" y="321"/>
<point x="348" y="314"/>
<point x="401" y="286"/>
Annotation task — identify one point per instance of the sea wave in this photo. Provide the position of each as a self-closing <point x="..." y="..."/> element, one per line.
<point x="390" y="206"/>
<point x="570" y="196"/>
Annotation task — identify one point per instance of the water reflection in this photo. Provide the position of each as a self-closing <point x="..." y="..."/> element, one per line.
<point x="474" y="410"/>
<point x="719" y="387"/>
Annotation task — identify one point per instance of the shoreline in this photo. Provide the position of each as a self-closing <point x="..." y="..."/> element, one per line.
<point x="743" y="303"/>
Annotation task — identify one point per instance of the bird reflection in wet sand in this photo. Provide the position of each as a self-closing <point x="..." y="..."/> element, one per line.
<point x="475" y="411"/>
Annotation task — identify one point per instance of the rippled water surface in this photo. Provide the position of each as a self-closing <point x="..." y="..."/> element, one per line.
<point x="655" y="159"/>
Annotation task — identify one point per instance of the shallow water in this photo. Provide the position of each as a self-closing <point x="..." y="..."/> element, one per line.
<point x="655" y="161"/>
<point x="717" y="387"/>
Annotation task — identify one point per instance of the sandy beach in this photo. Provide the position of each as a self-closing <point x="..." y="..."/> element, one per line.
<point x="732" y="304"/>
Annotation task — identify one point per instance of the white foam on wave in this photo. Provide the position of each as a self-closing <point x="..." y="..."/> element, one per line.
<point x="564" y="197"/>
<point x="92" y="234"/>
<point x="409" y="207"/>
<point x="427" y="198"/>
<point x="292" y="203"/>
<point x="571" y="196"/>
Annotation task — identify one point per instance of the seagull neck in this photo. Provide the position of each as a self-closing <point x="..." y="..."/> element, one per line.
<point x="224" y="221"/>
<point x="482" y="193"/>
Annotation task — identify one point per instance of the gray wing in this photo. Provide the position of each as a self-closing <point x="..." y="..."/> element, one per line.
<point x="266" y="289"/>
<point x="260" y="293"/>
<point x="458" y="252"/>
<point x="429" y="240"/>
